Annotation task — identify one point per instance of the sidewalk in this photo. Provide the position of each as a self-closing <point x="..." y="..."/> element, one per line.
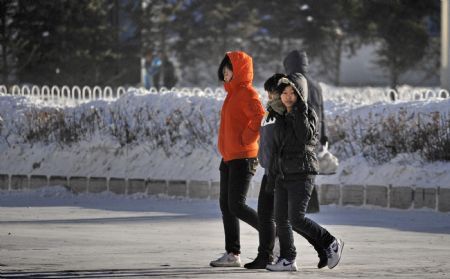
<point x="107" y="236"/>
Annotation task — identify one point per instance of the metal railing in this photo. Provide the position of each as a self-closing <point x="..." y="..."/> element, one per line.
<point x="79" y="94"/>
<point x="88" y="93"/>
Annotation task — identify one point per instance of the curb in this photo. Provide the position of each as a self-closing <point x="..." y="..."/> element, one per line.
<point x="384" y="196"/>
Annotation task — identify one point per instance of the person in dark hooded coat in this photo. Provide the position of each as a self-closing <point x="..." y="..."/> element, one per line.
<point x="267" y="250"/>
<point x="293" y="166"/>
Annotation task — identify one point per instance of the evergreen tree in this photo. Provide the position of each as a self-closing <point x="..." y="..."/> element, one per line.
<point x="329" y="31"/>
<point x="67" y="42"/>
<point x="159" y="34"/>
<point x="280" y="31"/>
<point x="7" y="44"/>
<point x="399" y="28"/>
<point x="207" y="29"/>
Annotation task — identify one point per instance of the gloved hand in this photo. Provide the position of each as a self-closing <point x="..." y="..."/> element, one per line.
<point x="290" y="116"/>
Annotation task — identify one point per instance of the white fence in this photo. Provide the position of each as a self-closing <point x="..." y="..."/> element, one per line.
<point x="416" y="94"/>
<point x="77" y="94"/>
<point x="88" y="93"/>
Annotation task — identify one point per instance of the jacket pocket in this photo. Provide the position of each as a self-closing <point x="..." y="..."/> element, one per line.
<point x="292" y="164"/>
<point x="248" y="137"/>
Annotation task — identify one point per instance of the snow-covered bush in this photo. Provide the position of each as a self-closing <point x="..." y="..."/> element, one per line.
<point x="168" y="122"/>
<point x="382" y="131"/>
<point x="179" y="123"/>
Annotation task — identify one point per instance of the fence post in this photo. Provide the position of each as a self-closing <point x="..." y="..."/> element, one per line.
<point x="443" y="94"/>
<point x="65" y="90"/>
<point x="45" y="92"/>
<point x="78" y="91"/>
<point x="35" y="91"/>
<point x="25" y="89"/>
<point x="3" y="89"/>
<point x="88" y="90"/>
<point x="55" y="91"/>
<point x="120" y="91"/>
<point x="107" y="90"/>
<point x="96" y="90"/>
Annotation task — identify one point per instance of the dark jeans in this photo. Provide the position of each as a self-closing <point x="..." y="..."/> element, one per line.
<point x="235" y="176"/>
<point x="266" y="218"/>
<point x="291" y="201"/>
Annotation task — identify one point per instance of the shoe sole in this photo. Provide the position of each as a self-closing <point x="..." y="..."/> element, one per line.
<point x="259" y="267"/>
<point x="224" y="265"/>
<point x="322" y="266"/>
<point x="283" y="270"/>
<point x="340" y="256"/>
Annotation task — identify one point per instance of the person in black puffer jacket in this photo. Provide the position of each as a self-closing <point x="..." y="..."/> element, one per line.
<point x="292" y="171"/>
<point x="266" y="218"/>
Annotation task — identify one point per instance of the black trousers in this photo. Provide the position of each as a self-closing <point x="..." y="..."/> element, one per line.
<point x="291" y="202"/>
<point x="267" y="229"/>
<point x="235" y="177"/>
<point x="266" y="220"/>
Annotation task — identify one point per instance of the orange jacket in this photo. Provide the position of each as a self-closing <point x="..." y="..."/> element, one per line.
<point x="242" y="112"/>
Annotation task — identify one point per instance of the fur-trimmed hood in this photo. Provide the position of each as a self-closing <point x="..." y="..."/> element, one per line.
<point x="298" y="82"/>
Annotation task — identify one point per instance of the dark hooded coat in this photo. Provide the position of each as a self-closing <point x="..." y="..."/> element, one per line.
<point x="295" y="138"/>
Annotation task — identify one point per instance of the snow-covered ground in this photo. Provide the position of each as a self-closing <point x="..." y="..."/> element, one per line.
<point x="174" y="135"/>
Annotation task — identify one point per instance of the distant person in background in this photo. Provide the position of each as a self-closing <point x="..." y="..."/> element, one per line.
<point x="169" y="75"/>
<point x="152" y="69"/>
<point x="240" y="119"/>
<point x="297" y="62"/>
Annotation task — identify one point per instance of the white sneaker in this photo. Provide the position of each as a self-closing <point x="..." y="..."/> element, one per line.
<point x="227" y="260"/>
<point x="276" y="249"/>
<point x="334" y="252"/>
<point x="282" y="265"/>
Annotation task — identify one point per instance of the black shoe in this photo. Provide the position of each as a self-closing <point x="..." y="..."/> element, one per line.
<point x="259" y="263"/>
<point x="323" y="260"/>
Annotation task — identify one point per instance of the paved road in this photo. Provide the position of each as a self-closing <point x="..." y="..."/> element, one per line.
<point x="114" y="237"/>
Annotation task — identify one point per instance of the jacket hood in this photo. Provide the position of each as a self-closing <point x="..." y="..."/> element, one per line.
<point x="298" y="83"/>
<point x="242" y="68"/>
<point x="296" y="62"/>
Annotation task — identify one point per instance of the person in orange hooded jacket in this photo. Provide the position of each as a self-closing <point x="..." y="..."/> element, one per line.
<point x="240" y="121"/>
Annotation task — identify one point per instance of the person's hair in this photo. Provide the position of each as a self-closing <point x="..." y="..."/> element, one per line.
<point x="280" y="88"/>
<point x="285" y="82"/>
<point x="271" y="83"/>
<point x="226" y="62"/>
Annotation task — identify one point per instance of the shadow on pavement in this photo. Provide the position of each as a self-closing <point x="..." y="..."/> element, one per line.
<point x="163" y="272"/>
<point x="180" y="210"/>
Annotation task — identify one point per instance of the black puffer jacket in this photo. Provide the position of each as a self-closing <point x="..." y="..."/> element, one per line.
<point x="297" y="62"/>
<point x="295" y="137"/>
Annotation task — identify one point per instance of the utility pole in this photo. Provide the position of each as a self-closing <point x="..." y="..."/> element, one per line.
<point x="445" y="44"/>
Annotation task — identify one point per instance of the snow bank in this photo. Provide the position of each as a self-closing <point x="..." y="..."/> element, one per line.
<point x="174" y="135"/>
